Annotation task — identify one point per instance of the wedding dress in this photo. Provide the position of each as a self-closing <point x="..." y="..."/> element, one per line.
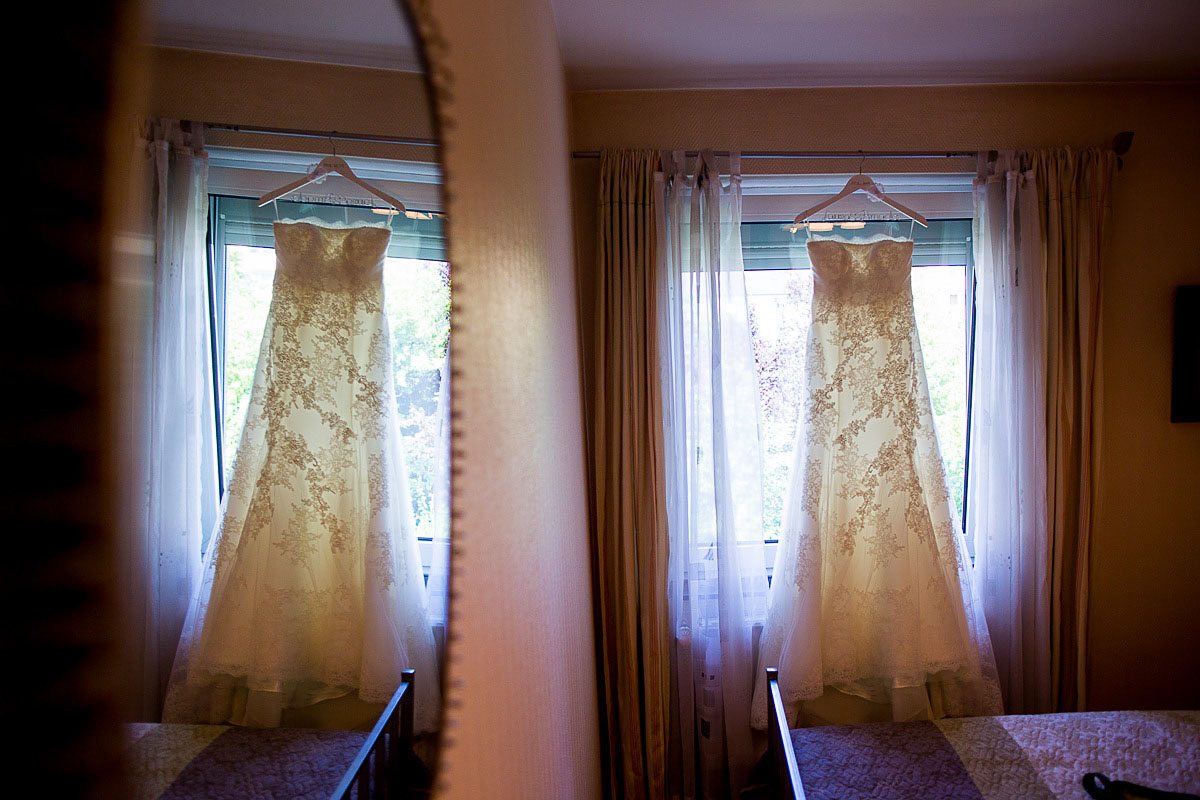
<point x="873" y="613"/>
<point x="312" y="585"/>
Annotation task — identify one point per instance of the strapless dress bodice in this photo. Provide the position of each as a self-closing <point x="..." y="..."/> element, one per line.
<point x="860" y="272"/>
<point x="330" y="257"/>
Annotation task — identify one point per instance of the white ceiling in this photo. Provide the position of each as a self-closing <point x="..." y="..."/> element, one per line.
<point x="634" y="44"/>
<point x="363" y="33"/>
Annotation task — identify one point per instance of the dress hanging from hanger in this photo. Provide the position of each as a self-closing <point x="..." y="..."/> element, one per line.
<point x="873" y="614"/>
<point x="312" y="585"/>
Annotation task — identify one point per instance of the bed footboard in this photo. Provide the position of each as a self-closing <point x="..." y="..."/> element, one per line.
<point x="779" y="743"/>
<point x="376" y="772"/>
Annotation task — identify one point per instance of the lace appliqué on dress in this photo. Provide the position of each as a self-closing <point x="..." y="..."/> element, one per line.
<point x="871" y="590"/>
<point x="314" y="579"/>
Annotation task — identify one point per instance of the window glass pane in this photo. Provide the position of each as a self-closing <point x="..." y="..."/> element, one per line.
<point x="941" y="325"/>
<point x="780" y="311"/>
<point x="779" y="288"/>
<point x="417" y="295"/>
<point x="249" y="272"/>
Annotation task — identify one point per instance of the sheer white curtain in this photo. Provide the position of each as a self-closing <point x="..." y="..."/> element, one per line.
<point x="717" y="583"/>
<point x="438" y="585"/>
<point x="1006" y="487"/>
<point x="166" y="413"/>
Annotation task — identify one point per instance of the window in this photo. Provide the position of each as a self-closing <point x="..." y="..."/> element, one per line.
<point x="779" y="289"/>
<point x="417" y="292"/>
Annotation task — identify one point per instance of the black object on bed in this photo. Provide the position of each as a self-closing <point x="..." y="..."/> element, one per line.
<point x="1101" y="788"/>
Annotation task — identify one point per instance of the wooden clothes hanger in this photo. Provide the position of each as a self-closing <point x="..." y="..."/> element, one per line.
<point x="861" y="182"/>
<point x="328" y="165"/>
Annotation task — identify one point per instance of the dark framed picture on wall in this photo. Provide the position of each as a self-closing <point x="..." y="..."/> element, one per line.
<point x="1185" y="370"/>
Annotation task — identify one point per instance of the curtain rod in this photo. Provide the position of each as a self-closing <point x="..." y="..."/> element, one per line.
<point x="1120" y="145"/>
<point x="817" y="154"/>
<point x="309" y="134"/>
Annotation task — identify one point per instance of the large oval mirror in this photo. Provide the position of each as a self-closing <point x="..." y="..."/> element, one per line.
<point x="284" y="302"/>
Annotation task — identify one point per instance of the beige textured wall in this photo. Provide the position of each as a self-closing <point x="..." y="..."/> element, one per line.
<point x="1145" y="629"/>
<point x="522" y="714"/>
<point x="242" y="90"/>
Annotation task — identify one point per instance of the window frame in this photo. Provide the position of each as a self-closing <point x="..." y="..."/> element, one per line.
<point x="771" y="545"/>
<point x="216" y="242"/>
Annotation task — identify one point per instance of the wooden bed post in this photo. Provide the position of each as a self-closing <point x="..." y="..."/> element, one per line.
<point x="779" y="743"/>
<point x="406" y="709"/>
<point x="381" y="756"/>
<point x="400" y="726"/>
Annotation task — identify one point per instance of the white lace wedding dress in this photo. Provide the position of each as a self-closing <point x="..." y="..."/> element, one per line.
<point x="872" y="611"/>
<point x="312" y="585"/>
